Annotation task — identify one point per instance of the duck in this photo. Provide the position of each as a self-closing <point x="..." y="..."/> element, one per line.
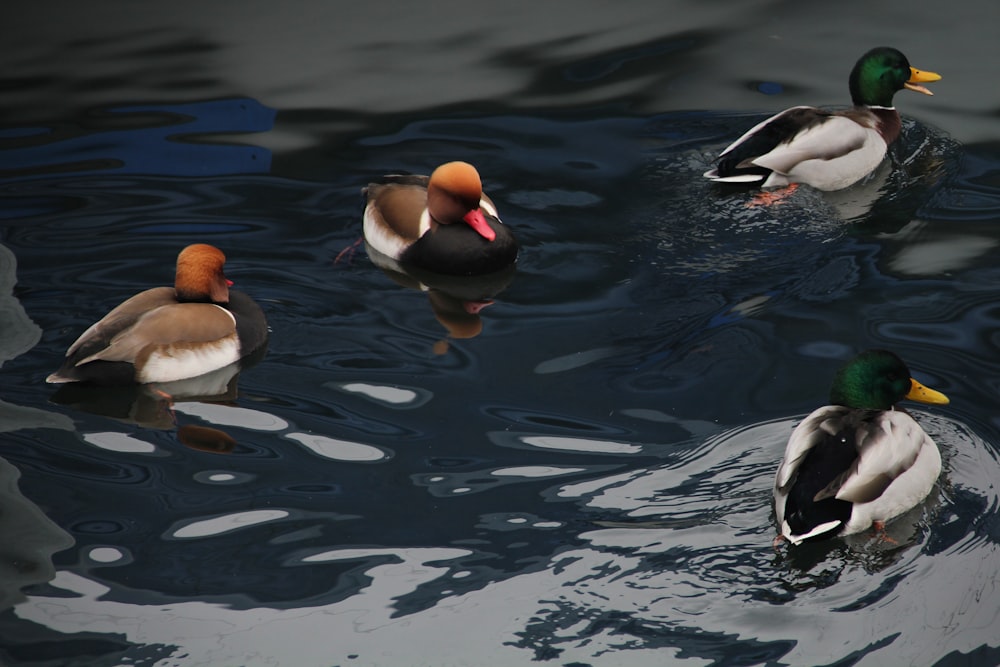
<point x="861" y="460"/>
<point x="829" y="150"/>
<point x="444" y="223"/>
<point x="166" y="334"/>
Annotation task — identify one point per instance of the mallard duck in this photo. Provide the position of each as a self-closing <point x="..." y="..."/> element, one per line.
<point x="444" y="224"/>
<point x="861" y="460"/>
<point x="828" y="150"/>
<point x="174" y="333"/>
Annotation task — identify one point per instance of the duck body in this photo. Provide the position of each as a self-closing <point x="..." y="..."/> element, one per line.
<point x="443" y="223"/>
<point x="847" y="467"/>
<point x="829" y="150"/>
<point x="851" y="468"/>
<point x="167" y="334"/>
<point x="825" y="149"/>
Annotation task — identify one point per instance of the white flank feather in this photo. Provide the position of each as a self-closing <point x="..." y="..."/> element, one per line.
<point x="169" y="362"/>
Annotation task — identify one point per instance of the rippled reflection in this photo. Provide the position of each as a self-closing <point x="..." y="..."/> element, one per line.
<point x="152" y="406"/>
<point x="686" y="560"/>
<point x="575" y="485"/>
<point x="456" y="301"/>
<point x="226" y="523"/>
<point x="393" y="396"/>
<point x="339" y="450"/>
<point x="140" y="139"/>
<point x="691" y="550"/>
<point x="29" y="540"/>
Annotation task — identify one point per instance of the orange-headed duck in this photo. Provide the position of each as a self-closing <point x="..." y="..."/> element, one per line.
<point x="443" y="224"/>
<point x="170" y="333"/>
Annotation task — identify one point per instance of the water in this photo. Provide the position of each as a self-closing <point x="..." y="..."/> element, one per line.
<point x="580" y="476"/>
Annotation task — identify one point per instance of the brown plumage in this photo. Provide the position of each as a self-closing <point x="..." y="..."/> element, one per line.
<point x="170" y="333"/>
<point x="443" y="224"/>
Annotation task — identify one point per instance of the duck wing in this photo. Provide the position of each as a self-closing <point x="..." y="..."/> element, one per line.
<point x="123" y="316"/>
<point x="396" y="213"/>
<point x="736" y="161"/>
<point x="176" y="325"/>
<point x="816" y="454"/>
<point x="830" y="137"/>
<point x="778" y="147"/>
<point x="816" y="429"/>
<point x="888" y="444"/>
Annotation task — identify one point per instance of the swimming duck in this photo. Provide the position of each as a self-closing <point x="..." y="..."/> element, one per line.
<point x="443" y="224"/>
<point x="170" y="333"/>
<point x="828" y="150"/>
<point x="861" y="460"/>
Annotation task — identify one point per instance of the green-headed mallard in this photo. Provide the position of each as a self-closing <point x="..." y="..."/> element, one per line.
<point x="828" y="150"/>
<point x="861" y="460"/>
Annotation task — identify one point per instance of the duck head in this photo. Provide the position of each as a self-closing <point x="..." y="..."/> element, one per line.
<point x="877" y="380"/>
<point x="881" y="72"/>
<point x="453" y="196"/>
<point x="200" y="276"/>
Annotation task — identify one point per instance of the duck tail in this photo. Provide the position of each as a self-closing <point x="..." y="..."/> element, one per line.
<point x="821" y="530"/>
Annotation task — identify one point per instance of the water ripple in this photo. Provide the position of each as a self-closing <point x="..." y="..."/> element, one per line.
<point x="691" y="550"/>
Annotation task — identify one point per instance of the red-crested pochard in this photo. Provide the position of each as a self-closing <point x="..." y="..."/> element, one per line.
<point x="443" y="224"/>
<point x="170" y="333"/>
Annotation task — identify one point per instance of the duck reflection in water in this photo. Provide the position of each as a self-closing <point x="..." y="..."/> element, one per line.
<point x="151" y="405"/>
<point x="456" y="301"/>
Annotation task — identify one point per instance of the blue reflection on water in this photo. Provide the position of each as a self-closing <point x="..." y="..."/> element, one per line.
<point x="143" y="139"/>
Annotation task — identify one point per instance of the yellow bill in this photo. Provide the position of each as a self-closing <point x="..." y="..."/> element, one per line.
<point x="919" y="76"/>
<point x="922" y="394"/>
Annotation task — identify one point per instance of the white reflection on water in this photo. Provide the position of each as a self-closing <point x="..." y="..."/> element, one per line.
<point x="106" y="555"/>
<point x="338" y="450"/>
<point x="394" y="396"/>
<point x="223" y="477"/>
<point x="689" y="560"/>
<point x="534" y="471"/>
<point x="119" y="442"/>
<point x="929" y="249"/>
<point x="228" y="415"/>
<point x="411" y="557"/>
<point x="257" y="420"/>
<point x="361" y="630"/>
<point x="581" y="444"/>
<point x="226" y="523"/>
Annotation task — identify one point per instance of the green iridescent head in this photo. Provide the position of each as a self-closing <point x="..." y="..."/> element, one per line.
<point x="877" y="380"/>
<point x="881" y="72"/>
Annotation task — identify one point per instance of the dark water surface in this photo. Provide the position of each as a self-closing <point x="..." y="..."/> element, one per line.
<point x="581" y="475"/>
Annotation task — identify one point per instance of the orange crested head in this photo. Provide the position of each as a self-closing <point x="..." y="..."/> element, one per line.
<point x="454" y="194"/>
<point x="200" y="276"/>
